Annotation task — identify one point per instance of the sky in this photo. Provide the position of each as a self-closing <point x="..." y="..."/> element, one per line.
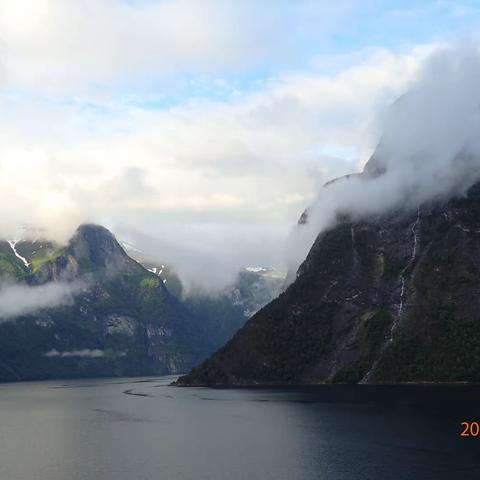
<point x="200" y="130"/>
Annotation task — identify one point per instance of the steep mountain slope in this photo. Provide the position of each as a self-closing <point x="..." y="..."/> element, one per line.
<point x="252" y="288"/>
<point x="117" y="319"/>
<point x="387" y="299"/>
<point x="225" y="311"/>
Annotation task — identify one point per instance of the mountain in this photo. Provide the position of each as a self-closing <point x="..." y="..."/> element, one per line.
<point x="252" y="288"/>
<point x="115" y="318"/>
<point x="227" y="310"/>
<point x="390" y="298"/>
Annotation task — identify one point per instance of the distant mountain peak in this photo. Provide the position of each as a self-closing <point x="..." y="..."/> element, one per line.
<point x="97" y="245"/>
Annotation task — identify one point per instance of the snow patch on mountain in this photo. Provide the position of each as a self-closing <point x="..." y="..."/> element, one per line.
<point x="12" y="244"/>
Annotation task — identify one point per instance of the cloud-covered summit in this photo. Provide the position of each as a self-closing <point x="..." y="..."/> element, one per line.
<point x="429" y="147"/>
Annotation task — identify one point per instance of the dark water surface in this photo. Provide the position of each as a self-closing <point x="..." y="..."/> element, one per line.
<point x="143" y="429"/>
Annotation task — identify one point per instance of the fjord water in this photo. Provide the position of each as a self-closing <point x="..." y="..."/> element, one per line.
<point x="144" y="429"/>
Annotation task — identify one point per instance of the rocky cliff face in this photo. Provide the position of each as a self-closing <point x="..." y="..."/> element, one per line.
<point x="393" y="298"/>
<point x="119" y="320"/>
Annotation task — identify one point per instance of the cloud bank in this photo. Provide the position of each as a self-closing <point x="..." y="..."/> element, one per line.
<point x="69" y="47"/>
<point x="429" y="148"/>
<point x="214" y="185"/>
<point x="197" y="130"/>
<point x="17" y="300"/>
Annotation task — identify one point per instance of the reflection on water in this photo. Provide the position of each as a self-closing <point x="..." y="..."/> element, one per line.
<point x="144" y="429"/>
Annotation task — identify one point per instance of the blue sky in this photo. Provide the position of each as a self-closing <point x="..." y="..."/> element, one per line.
<point x="200" y="124"/>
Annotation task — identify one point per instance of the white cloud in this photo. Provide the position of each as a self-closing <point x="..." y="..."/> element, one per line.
<point x="81" y="140"/>
<point x="210" y="177"/>
<point x="84" y="353"/>
<point x="76" y="47"/>
<point x="65" y="45"/>
<point x="16" y="300"/>
<point x="430" y="148"/>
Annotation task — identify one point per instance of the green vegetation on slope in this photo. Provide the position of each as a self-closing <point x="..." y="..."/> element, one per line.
<point x="369" y="341"/>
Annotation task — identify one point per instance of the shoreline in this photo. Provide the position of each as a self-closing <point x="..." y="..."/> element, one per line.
<point x="322" y="385"/>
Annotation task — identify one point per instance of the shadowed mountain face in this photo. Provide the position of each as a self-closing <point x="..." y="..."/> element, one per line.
<point x="117" y="318"/>
<point x="96" y="246"/>
<point x="386" y="299"/>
